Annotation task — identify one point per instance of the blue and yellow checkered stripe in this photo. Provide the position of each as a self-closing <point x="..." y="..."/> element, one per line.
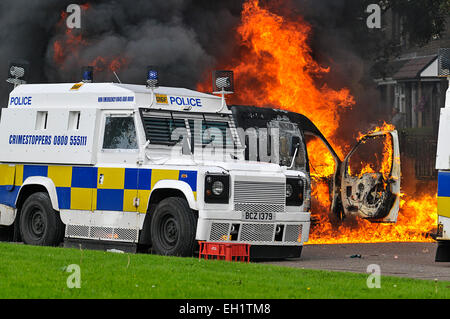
<point x="93" y="188"/>
<point x="443" y="200"/>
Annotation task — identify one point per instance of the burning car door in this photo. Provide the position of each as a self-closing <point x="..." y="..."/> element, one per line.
<point x="370" y="178"/>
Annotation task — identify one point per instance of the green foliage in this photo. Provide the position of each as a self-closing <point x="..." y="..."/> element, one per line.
<point x="422" y="20"/>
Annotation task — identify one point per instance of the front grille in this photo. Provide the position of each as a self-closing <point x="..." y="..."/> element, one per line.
<point x="259" y="233"/>
<point x="259" y="208"/>
<point x="259" y="196"/>
<point x="293" y="233"/>
<point x="219" y="231"/>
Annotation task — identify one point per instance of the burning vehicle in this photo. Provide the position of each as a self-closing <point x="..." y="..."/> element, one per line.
<point x="365" y="184"/>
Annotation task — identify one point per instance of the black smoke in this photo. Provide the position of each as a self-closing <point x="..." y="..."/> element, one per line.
<point x="183" y="38"/>
<point x="341" y="40"/>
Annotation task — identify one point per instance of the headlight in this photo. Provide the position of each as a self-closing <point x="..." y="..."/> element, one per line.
<point x="217" y="188"/>
<point x="294" y="191"/>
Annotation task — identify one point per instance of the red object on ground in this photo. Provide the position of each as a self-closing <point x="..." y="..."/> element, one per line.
<point x="224" y="251"/>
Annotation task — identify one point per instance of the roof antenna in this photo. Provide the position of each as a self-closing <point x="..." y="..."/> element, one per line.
<point x="117" y="77"/>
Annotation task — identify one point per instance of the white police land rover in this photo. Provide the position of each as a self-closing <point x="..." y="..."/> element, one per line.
<point x="135" y="166"/>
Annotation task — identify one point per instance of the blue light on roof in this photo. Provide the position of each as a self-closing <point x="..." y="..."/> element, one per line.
<point x="152" y="75"/>
<point x="88" y="74"/>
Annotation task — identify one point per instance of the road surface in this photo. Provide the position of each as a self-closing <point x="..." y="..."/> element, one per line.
<point x="413" y="260"/>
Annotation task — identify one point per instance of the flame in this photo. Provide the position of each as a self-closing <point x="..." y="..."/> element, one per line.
<point x="69" y="44"/>
<point x="385" y="127"/>
<point x="387" y="156"/>
<point x="275" y="60"/>
<point x="415" y="222"/>
<point x="275" y="68"/>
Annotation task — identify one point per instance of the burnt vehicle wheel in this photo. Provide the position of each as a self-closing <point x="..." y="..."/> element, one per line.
<point x="173" y="228"/>
<point x="40" y="224"/>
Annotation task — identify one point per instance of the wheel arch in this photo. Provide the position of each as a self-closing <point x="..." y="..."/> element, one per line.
<point x="164" y="189"/>
<point x="35" y="184"/>
<point x="171" y="188"/>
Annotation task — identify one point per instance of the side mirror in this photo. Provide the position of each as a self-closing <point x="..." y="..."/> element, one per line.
<point x="295" y="143"/>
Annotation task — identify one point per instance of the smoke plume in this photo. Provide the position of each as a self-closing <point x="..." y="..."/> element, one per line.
<point x="185" y="39"/>
<point x="181" y="37"/>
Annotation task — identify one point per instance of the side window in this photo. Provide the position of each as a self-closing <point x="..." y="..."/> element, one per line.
<point x="120" y="133"/>
<point x="41" y="120"/>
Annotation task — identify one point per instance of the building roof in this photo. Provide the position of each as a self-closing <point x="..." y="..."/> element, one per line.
<point x="387" y="70"/>
<point x="413" y="67"/>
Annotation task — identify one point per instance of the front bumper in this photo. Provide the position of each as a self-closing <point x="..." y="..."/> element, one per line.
<point x="286" y="230"/>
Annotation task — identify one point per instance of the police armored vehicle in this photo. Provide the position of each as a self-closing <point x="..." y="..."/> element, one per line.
<point x="134" y="166"/>
<point x="443" y="166"/>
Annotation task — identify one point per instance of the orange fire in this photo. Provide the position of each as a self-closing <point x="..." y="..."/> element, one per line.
<point x="387" y="159"/>
<point x="416" y="219"/>
<point x="275" y="68"/>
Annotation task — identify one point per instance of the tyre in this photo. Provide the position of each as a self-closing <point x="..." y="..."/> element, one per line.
<point x="173" y="228"/>
<point x="40" y="224"/>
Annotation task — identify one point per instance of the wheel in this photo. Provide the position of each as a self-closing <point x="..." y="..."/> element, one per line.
<point x="173" y="228"/>
<point x="40" y="224"/>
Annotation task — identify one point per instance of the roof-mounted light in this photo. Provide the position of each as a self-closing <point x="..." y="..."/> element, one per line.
<point x="223" y="83"/>
<point x="18" y="72"/>
<point x="152" y="77"/>
<point x="88" y="74"/>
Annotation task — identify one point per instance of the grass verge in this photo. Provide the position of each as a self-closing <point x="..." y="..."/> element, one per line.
<point x="41" y="272"/>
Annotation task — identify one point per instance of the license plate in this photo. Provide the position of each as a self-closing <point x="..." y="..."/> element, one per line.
<point x="258" y="216"/>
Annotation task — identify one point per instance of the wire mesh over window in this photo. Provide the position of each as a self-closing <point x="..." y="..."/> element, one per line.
<point x="190" y="129"/>
<point x="160" y="130"/>
<point x="444" y="62"/>
<point x="120" y="133"/>
<point x="212" y="133"/>
<point x="223" y="80"/>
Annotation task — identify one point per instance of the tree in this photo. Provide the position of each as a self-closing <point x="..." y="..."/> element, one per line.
<point x="422" y="20"/>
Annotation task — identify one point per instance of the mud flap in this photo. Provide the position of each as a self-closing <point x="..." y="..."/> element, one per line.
<point x="274" y="252"/>
<point x="443" y="251"/>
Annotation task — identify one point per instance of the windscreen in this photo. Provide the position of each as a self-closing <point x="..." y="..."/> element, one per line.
<point x="277" y="141"/>
<point x="287" y="133"/>
<point x="210" y="133"/>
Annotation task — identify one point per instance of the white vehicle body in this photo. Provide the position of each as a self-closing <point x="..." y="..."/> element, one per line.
<point x="59" y="138"/>
<point x="443" y="166"/>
